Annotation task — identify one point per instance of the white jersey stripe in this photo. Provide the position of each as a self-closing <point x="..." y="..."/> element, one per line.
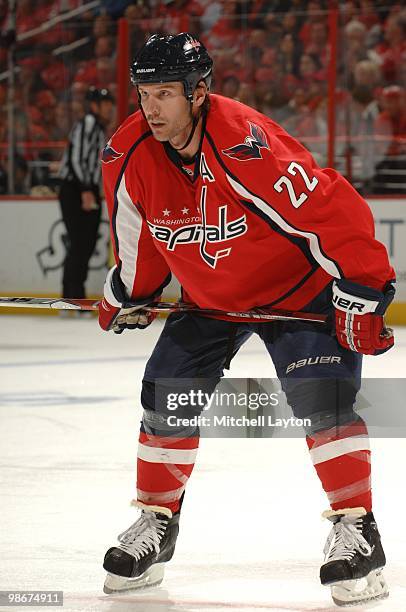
<point x="128" y="230"/>
<point x="154" y="454"/>
<point x="334" y="449"/>
<point x="327" y="264"/>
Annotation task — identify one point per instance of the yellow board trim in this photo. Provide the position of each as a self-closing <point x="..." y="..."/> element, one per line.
<point x="396" y="314"/>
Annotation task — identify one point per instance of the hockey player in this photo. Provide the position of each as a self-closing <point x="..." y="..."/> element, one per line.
<point x="220" y="195"/>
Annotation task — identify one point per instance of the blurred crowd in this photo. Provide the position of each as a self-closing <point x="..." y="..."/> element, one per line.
<point x="270" y="54"/>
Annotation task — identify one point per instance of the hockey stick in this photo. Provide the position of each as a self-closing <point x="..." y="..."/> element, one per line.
<point x="257" y="315"/>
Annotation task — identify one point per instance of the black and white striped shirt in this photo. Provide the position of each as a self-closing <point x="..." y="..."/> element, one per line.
<point x="81" y="158"/>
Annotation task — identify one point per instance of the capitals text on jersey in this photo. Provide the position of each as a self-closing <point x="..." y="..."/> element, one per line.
<point x="199" y="232"/>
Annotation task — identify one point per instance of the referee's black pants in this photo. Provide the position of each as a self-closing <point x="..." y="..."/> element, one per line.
<point x="82" y="228"/>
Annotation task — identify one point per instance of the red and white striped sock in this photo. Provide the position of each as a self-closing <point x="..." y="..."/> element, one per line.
<point x="342" y="458"/>
<point x="164" y="465"/>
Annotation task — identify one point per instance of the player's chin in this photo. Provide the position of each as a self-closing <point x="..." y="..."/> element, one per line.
<point x="160" y="137"/>
<point x="159" y="131"/>
<point x="159" y="134"/>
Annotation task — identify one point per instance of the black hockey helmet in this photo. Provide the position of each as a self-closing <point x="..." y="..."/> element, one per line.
<point x="97" y="95"/>
<point x="173" y="58"/>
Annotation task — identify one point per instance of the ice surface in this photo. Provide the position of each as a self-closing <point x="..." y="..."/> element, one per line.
<point x="251" y="533"/>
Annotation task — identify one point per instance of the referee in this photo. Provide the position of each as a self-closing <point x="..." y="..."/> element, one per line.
<point x="79" y="194"/>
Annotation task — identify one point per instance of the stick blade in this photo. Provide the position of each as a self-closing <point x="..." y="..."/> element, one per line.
<point x="55" y="303"/>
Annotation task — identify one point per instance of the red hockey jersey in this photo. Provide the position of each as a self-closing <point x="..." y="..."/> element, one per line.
<point x="254" y="221"/>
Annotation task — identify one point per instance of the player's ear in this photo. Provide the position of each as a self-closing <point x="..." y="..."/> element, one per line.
<point x="200" y="93"/>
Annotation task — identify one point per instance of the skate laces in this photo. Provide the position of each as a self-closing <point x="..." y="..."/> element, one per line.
<point x="345" y="539"/>
<point x="144" y="535"/>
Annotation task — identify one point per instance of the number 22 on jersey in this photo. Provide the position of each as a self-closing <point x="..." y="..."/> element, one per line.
<point x="311" y="183"/>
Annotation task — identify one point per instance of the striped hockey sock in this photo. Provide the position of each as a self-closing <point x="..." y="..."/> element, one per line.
<point x="342" y="458"/>
<point x="164" y="465"/>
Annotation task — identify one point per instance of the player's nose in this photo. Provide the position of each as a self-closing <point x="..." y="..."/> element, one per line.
<point x="151" y="116"/>
<point x="151" y="109"/>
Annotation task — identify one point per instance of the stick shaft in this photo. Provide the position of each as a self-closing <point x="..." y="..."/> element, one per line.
<point x="257" y="315"/>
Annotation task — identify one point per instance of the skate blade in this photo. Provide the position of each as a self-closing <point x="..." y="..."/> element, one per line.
<point x="117" y="584"/>
<point x="352" y="592"/>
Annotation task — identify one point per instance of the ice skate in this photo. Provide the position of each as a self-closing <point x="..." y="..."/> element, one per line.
<point x="354" y="558"/>
<point x="144" y="548"/>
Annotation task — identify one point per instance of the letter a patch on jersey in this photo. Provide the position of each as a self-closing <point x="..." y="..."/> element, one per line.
<point x="109" y="154"/>
<point x="251" y="147"/>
